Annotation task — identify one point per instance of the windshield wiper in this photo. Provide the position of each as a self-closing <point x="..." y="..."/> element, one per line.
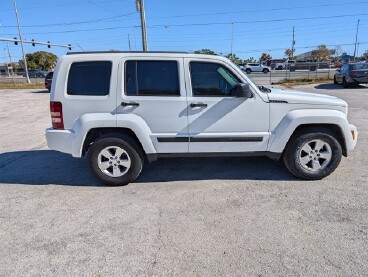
<point x="264" y="89"/>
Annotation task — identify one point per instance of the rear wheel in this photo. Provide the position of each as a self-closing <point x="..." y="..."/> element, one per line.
<point x="335" y="81"/>
<point x="248" y="71"/>
<point x="115" y="160"/>
<point x="265" y="71"/>
<point x="345" y="84"/>
<point x="313" y="155"/>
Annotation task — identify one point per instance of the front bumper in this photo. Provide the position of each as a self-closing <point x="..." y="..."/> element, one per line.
<point x="353" y="139"/>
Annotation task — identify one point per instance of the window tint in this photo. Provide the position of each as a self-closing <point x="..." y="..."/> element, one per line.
<point x="212" y="79"/>
<point x="89" y="78"/>
<point x="155" y="78"/>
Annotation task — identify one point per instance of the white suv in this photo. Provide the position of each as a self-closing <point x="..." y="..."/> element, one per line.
<point x="256" y="67"/>
<point x="121" y="108"/>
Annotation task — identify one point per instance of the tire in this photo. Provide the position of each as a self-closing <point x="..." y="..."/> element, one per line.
<point x="279" y="67"/>
<point x="345" y="84"/>
<point x="335" y="81"/>
<point x="248" y="71"/>
<point x="125" y="166"/>
<point x="265" y="71"/>
<point x="317" y="165"/>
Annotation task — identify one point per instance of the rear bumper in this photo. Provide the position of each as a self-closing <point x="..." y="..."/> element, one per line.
<point x="61" y="140"/>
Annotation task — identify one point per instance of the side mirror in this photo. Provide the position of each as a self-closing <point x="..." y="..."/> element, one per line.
<point x="338" y="70"/>
<point x="242" y="90"/>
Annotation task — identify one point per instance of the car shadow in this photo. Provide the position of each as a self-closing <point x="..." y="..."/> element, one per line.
<point x="337" y="87"/>
<point x="44" y="167"/>
<point x="41" y="91"/>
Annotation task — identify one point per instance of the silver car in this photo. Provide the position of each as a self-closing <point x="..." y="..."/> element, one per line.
<point x="353" y="73"/>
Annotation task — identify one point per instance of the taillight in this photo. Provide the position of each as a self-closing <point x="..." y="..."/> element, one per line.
<point x="56" y="109"/>
<point x="353" y="74"/>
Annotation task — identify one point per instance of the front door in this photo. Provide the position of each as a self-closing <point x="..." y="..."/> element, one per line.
<point x="218" y="121"/>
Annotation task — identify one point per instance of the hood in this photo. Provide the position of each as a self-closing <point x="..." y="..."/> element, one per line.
<point x="299" y="97"/>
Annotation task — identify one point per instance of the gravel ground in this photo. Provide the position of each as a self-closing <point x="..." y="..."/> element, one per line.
<point x="183" y="217"/>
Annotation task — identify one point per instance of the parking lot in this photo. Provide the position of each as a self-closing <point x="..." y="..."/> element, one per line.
<point x="182" y="217"/>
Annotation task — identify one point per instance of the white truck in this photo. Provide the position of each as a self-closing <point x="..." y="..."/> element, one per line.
<point x="122" y="108"/>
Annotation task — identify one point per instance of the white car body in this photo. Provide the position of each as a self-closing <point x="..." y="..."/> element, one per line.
<point x="256" y="67"/>
<point x="167" y="125"/>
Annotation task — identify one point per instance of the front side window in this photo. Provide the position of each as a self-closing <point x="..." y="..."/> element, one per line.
<point x="89" y="78"/>
<point x="212" y="79"/>
<point x="152" y="78"/>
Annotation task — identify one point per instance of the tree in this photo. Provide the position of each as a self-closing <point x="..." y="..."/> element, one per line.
<point x="205" y="51"/>
<point x="234" y="58"/>
<point x="289" y="53"/>
<point x="265" y="57"/>
<point x="322" y="53"/>
<point x="40" y="60"/>
<point x="365" y="55"/>
<point x="338" y="53"/>
<point x="250" y="60"/>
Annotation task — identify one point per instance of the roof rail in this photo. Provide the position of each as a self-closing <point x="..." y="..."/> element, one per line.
<point x="111" y="52"/>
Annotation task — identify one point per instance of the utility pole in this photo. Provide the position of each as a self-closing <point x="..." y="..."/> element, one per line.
<point x="21" y="43"/>
<point x="11" y="62"/>
<point x="356" y="38"/>
<point x="232" y="38"/>
<point x="130" y="49"/>
<point x="140" y="8"/>
<point x="293" y="44"/>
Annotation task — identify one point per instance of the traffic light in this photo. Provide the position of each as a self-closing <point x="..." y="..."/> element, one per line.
<point x="48" y="45"/>
<point x="69" y="46"/>
<point x="15" y="41"/>
<point x="33" y="44"/>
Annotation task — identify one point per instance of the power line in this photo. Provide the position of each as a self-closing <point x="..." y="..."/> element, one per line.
<point x="202" y="24"/>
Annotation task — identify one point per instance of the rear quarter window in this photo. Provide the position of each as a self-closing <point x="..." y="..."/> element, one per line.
<point x="89" y="78"/>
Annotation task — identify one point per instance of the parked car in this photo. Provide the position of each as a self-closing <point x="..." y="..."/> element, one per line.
<point x="36" y="73"/>
<point x="48" y="80"/>
<point x="256" y="67"/>
<point x="121" y="108"/>
<point x="352" y="74"/>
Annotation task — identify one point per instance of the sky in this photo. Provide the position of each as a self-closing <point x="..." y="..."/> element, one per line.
<point x="246" y="28"/>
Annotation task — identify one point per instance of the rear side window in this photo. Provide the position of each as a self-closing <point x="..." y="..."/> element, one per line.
<point x="152" y="78"/>
<point x="89" y="78"/>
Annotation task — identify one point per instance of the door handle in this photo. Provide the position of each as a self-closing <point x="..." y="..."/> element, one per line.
<point x="125" y="104"/>
<point x="200" y="105"/>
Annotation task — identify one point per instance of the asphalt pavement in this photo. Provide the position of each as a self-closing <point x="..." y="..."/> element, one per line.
<point x="182" y="217"/>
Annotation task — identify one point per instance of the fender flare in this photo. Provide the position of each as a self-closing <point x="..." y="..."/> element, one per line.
<point x="293" y="119"/>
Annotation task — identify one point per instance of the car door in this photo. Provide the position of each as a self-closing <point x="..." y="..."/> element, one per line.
<point x="340" y="73"/>
<point x="218" y="121"/>
<point x="153" y="94"/>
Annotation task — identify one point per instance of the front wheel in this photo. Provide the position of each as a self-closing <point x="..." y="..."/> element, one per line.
<point x="115" y="160"/>
<point x="313" y="155"/>
<point x="248" y="71"/>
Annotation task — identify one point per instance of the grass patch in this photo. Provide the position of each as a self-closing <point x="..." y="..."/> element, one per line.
<point x="289" y="83"/>
<point x="10" y="85"/>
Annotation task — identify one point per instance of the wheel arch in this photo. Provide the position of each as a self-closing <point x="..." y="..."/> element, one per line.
<point x="96" y="133"/>
<point x="335" y="129"/>
<point x="298" y="120"/>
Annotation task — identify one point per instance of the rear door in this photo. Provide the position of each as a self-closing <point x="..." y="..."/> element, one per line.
<point x="153" y="90"/>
